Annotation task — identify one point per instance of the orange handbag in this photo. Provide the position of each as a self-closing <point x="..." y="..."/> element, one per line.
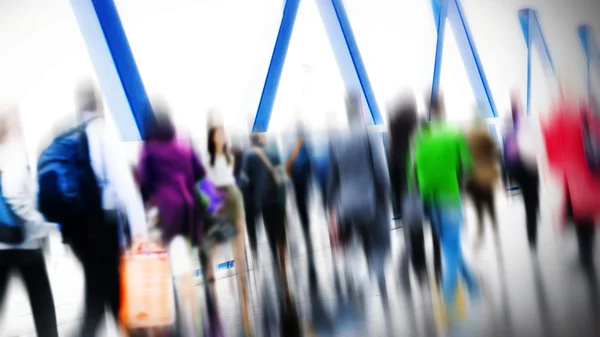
<point x="147" y="296"/>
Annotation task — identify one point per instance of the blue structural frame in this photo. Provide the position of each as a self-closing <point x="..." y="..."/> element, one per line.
<point x="115" y="66"/>
<point x="452" y="11"/>
<point x="345" y="48"/>
<point x="592" y="54"/>
<point x="534" y="38"/>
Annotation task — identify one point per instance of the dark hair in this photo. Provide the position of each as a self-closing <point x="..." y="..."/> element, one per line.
<point x="212" y="147"/>
<point x="403" y="123"/>
<point x="160" y="128"/>
<point x="256" y="139"/>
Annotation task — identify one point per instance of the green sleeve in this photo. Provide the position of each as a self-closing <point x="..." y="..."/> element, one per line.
<point x="466" y="159"/>
<point x="412" y="163"/>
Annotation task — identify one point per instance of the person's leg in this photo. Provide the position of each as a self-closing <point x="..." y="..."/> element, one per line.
<point x="450" y="240"/>
<point x="376" y="250"/>
<point x="585" y="240"/>
<point x="478" y="198"/>
<point x="94" y="292"/>
<point x="250" y="214"/>
<point x="417" y="252"/>
<point x="6" y="262"/>
<point x="33" y="270"/>
<point x="239" y="252"/>
<point x="528" y="185"/>
<point x="436" y="233"/>
<point x="271" y="223"/>
<point x="490" y="205"/>
<point x="110" y="246"/>
<point x="301" y="186"/>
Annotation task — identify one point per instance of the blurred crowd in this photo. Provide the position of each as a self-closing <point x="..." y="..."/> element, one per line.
<point x="181" y="200"/>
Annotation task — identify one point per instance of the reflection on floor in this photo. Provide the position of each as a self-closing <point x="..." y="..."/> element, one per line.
<point x="543" y="296"/>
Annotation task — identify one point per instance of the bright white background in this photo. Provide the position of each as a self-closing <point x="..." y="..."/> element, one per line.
<point x="202" y="54"/>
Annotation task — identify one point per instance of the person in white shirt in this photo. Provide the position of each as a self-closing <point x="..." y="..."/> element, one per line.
<point x="220" y="172"/>
<point x="100" y="248"/>
<point x="27" y="257"/>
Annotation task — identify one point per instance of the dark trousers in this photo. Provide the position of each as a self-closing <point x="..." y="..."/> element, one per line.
<point x="529" y="183"/>
<point x="301" y="192"/>
<point x="585" y="231"/>
<point x="100" y="259"/>
<point x="483" y="199"/>
<point x="30" y="265"/>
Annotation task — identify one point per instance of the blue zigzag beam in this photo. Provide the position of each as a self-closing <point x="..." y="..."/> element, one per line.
<point x="115" y="66"/>
<point x="345" y="48"/>
<point x="592" y="54"/>
<point x="452" y="11"/>
<point x="534" y="38"/>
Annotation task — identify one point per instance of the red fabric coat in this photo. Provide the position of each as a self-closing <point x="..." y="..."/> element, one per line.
<point x="563" y="134"/>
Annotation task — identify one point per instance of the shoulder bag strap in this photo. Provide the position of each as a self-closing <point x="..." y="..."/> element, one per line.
<point x="261" y="154"/>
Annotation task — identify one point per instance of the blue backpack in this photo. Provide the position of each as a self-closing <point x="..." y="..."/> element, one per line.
<point x="11" y="229"/>
<point x="68" y="188"/>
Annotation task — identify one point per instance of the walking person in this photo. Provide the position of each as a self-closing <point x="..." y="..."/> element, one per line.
<point x="168" y="172"/>
<point x="404" y="125"/>
<point x="22" y="227"/>
<point x="220" y="171"/>
<point x="575" y="163"/>
<point x="359" y="192"/>
<point x="106" y="198"/>
<point x="484" y="178"/>
<point x="299" y="169"/>
<point x="441" y="156"/>
<point x="520" y="156"/>
<point x="264" y="188"/>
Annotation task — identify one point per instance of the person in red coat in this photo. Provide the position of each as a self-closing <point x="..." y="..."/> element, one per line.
<point x="563" y="135"/>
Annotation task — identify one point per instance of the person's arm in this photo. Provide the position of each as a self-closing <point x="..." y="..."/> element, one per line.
<point x="290" y="162"/>
<point x="18" y="191"/>
<point x="127" y="195"/>
<point x="465" y="156"/>
<point x="144" y="175"/>
<point x="411" y="163"/>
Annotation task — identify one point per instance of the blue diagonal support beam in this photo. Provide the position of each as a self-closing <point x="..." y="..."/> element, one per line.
<point x="282" y="43"/>
<point x="347" y="55"/>
<point x="534" y="38"/>
<point x="452" y="11"/>
<point x="592" y="54"/>
<point x="115" y="66"/>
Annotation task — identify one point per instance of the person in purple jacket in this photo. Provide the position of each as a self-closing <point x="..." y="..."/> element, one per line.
<point x="168" y="172"/>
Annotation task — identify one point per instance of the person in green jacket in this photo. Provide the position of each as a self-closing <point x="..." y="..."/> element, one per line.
<point x="441" y="156"/>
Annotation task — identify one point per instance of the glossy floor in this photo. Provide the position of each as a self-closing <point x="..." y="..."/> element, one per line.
<point x="551" y="299"/>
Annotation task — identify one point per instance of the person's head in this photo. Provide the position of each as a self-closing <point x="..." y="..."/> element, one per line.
<point x="87" y="99"/>
<point x="515" y="105"/>
<point x="217" y="144"/>
<point x="403" y="122"/>
<point x="258" y="139"/>
<point x="436" y="106"/>
<point x="354" y="109"/>
<point x="404" y="114"/>
<point x="161" y="128"/>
